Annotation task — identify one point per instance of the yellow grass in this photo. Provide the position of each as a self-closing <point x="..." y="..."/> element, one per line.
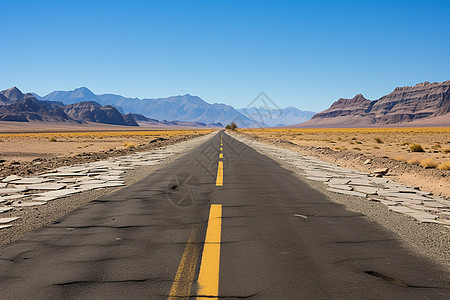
<point x="102" y="134"/>
<point x="414" y="161"/>
<point x="354" y="130"/>
<point x="444" y="166"/>
<point x="401" y="158"/>
<point x="416" y="148"/>
<point x="429" y="163"/>
<point x="129" y="145"/>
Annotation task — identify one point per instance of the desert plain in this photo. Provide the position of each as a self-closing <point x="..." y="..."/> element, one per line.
<point x="417" y="156"/>
<point x="25" y="152"/>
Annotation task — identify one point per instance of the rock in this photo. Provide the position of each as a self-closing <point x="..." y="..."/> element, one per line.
<point x="382" y="171"/>
<point x="368" y="161"/>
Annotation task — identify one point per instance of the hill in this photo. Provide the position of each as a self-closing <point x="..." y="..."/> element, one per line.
<point x="425" y="104"/>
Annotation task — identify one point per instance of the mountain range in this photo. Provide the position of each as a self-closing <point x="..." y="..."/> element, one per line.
<point x="181" y="108"/>
<point x="19" y="107"/>
<point x="277" y="117"/>
<point x="425" y="104"/>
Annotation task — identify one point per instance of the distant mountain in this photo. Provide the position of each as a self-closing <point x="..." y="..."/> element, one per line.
<point x="181" y="108"/>
<point x="143" y="120"/>
<point x="423" y="104"/>
<point x="19" y="107"/>
<point x="78" y="95"/>
<point x="277" y="117"/>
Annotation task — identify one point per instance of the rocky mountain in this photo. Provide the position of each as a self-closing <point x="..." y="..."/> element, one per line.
<point x="277" y="117"/>
<point x="19" y="107"/>
<point x="425" y="103"/>
<point x="10" y="96"/>
<point x="30" y="109"/>
<point x="91" y="111"/>
<point x="181" y="108"/>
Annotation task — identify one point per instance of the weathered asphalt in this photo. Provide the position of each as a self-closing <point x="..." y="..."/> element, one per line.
<point x="281" y="239"/>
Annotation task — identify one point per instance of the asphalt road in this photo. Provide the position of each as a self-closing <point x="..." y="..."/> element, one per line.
<point x="232" y="226"/>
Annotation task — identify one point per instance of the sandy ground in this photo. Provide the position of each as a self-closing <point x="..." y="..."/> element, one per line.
<point x="32" y="218"/>
<point x="30" y="153"/>
<point x="430" y="240"/>
<point x="359" y="149"/>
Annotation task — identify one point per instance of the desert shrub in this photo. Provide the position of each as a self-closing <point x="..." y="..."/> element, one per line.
<point x="414" y="161"/>
<point x="446" y="150"/>
<point x="428" y="163"/>
<point x="444" y="166"/>
<point x="401" y="158"/>
<point x="437" y="146"/>
<point x="356" y="148"/>
<point x="52" y="139"/>
<point x="354" y="138"/>
<point x="404" y="144"/>
<point x="376" y="147"/>
<point x="231" y="126"/>
<point x="129" y="145"/>
<point x="416" y="148"/>
<point x="378" y="140"/>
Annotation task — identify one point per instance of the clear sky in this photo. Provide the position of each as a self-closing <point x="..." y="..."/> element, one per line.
<point x="305" y="54"/>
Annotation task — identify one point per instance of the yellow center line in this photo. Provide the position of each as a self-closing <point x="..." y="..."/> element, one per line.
<point x="219" y="179"/>
<point x="208" y="278"/>
<point x="181" y="287"/>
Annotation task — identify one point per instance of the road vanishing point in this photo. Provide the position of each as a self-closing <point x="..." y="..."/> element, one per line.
<point x="222" y="221"/>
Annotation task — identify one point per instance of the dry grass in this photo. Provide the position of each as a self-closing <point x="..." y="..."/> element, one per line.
<point x="429" y="163"/>
<point x="129" y="145"/>
<point x="413" y="161"/>
<point x="416" y="148"/>
<point x="401" y="158"/>
<point x="444" y="166"/>
<point x="102" y="134"/>
<point x="436" y="146"/>
<point x="378" y="140"/>
<point x="52" y="139"/>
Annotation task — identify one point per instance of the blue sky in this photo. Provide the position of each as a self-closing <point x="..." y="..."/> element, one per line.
<point x="305" y="54"/>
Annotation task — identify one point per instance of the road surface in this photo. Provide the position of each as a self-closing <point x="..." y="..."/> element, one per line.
<point x="223" y="221"/>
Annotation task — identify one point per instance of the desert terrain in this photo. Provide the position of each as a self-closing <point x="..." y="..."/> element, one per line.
<point x="414" y="156"/>
<point x="33" y="152"/>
